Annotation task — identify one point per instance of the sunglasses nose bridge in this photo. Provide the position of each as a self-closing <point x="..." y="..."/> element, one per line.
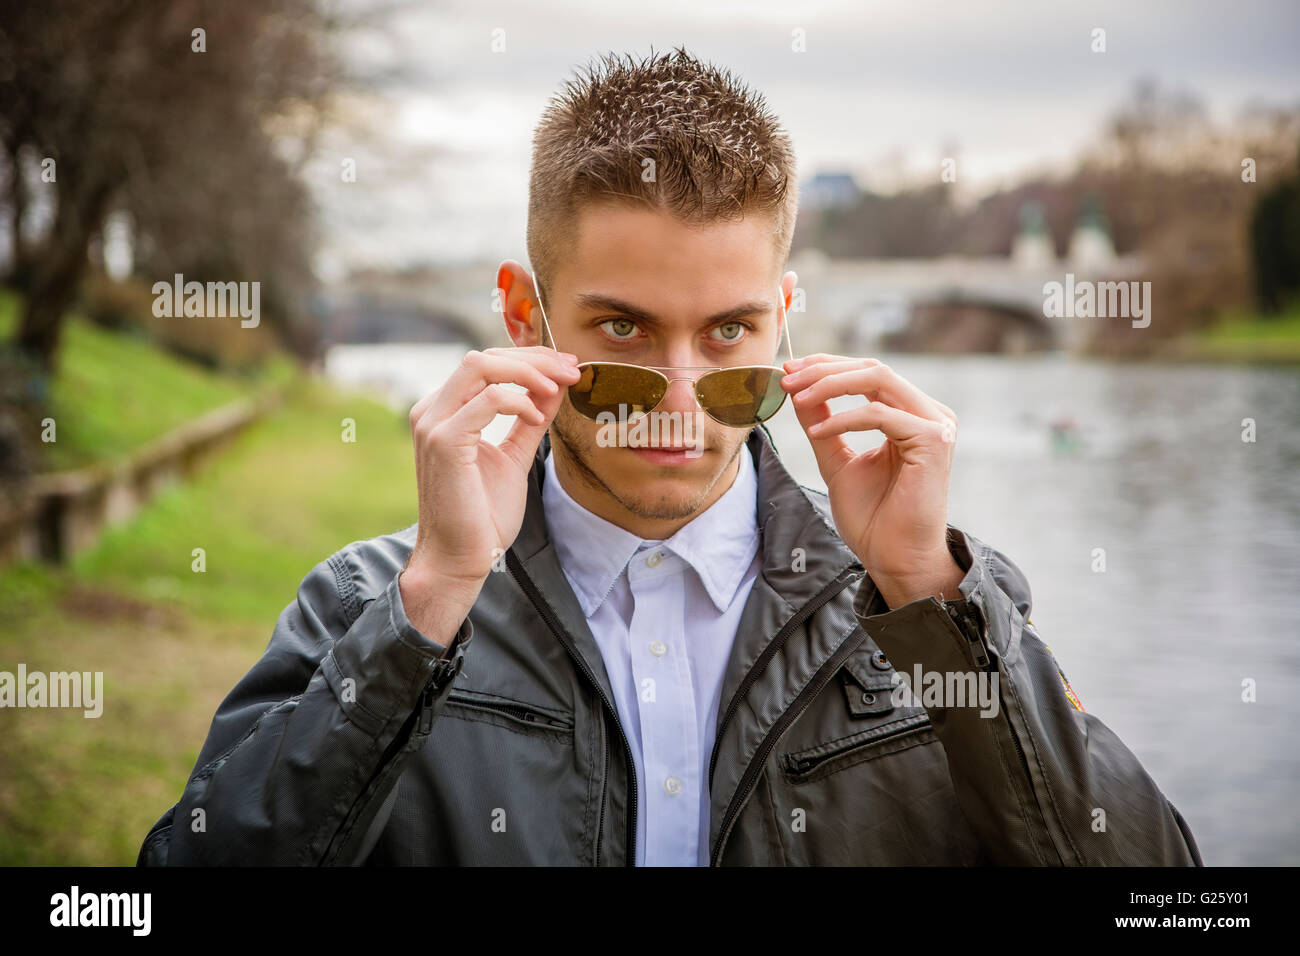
<point x="692" y="387"/>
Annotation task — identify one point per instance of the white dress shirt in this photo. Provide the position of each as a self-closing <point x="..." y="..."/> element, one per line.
<point x="664" y="615"/>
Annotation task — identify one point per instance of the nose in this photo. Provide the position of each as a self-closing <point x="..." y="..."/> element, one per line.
<point x="680" y="396"/>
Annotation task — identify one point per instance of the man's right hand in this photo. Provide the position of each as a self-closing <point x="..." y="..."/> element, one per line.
<point x="472" y="494"/>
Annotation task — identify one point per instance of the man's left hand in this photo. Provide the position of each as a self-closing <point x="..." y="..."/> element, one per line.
<point x="890" y="504"/>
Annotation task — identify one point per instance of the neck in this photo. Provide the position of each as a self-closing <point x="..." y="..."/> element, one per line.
<point x="587" y="491"/>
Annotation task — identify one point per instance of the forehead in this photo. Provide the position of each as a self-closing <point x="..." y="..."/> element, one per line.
<point x="686" y="270"/>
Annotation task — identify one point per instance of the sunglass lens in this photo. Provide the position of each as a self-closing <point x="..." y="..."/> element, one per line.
<point x="741" y="396"/>
<point x="603" y="387"/>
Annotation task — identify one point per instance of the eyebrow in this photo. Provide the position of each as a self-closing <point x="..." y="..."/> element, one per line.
<point x="597" y="300"/>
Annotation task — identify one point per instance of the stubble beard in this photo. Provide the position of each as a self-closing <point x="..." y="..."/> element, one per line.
<point x="580" y="450"/>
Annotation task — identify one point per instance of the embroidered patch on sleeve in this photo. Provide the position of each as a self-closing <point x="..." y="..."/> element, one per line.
<point x="1069" y="691"/>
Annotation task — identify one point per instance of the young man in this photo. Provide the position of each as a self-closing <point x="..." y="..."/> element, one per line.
<point x="677" y="655"/>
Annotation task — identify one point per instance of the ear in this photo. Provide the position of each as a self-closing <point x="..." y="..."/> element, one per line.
<point x="788" y="283"/>
<point x="518" y="308"/>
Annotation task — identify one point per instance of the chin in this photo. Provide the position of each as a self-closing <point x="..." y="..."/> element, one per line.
<point x="672" y="503"/>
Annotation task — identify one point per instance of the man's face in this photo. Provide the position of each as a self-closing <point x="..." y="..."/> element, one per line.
<point x="644" y="289"/>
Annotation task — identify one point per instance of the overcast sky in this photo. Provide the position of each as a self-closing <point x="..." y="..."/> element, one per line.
<point x="883" y="86"/>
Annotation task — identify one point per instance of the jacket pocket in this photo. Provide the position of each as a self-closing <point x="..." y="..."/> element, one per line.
<point x="515" y="715"/>
<point x="867" y="698"/>
<point x="814" y="763"/>
<point x="869" y="683"/>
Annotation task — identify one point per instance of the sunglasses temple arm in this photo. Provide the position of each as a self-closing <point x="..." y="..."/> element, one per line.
<point x="545" y="325"/>
<point x="785" y="325"/>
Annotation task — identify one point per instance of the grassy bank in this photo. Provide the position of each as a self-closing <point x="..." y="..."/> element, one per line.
<point x="172" y="642"/>
<point x="115" y="392"/>
<point x="1244" y="337"/>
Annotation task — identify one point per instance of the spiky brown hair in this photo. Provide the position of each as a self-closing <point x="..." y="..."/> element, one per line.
<point x="718" y="152"/>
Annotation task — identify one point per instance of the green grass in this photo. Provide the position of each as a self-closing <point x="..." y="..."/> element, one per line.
<point x="114" y="392"/>
<point x="170" y="641"/>
<point x="1244" y="336"/>
<point x="285" y="496"/>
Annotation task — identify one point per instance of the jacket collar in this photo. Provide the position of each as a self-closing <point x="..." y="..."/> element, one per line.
<point x="802" y="551"/>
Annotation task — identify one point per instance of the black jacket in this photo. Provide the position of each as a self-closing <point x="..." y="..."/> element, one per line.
<point x="355" y="739"/>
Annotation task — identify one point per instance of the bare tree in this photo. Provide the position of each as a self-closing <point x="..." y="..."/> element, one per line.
<point x="188" y="115"/>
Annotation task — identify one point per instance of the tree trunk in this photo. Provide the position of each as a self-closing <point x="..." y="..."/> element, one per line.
<point x="59" y="268"/>
<point x="17" y="208"/>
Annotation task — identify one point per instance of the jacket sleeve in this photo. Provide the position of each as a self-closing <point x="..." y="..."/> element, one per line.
<point x="303" y="756"/>
<point x="1040" y="781"/>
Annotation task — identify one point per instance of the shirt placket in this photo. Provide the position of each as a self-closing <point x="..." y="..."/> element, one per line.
<point x="666" y="701"/>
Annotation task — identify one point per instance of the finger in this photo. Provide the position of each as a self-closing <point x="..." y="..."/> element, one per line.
<point x="876" y="382"/>
<point x="801" y="379"/>
<point x="478" y="369"/>
<point x="832" y="452"/>
<point x="534" y="367"/>
<point x="520" y="445"/>
<point x="896" y="424"/>
<point x="817" y="358"/>
<point x="465" y="426"/>
<point x="540" y="370"/>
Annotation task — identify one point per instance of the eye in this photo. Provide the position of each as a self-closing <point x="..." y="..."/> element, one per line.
<point x="732" y="331"/>
<point x="621" y="326"/>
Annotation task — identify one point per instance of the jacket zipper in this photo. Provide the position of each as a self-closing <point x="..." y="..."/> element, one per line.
<point x="820" y="678"/>
<point x="529" y="588"/>
<point x="443" y="670"/>
<point x="970" y="629"/>
<point x="805" y="765"/>
<point x="518" y="712"/>
<point x="826" y="593"/>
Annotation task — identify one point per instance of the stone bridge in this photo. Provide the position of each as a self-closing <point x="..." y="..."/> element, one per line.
<point x="948" y="304"/>
<point x="850" y="305"/>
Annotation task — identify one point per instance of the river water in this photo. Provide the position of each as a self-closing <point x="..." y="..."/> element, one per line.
<point x="1198" y="606"/>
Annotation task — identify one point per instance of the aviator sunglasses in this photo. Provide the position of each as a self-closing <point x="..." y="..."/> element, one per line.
<point x="738" y="396"/>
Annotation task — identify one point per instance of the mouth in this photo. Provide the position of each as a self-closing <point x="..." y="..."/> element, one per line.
<point x="669" y="454"/>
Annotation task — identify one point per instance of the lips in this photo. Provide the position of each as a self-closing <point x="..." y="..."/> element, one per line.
<point x="668" y="455"/>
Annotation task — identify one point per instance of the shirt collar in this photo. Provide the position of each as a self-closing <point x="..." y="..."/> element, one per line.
<point x="719" y="544"/>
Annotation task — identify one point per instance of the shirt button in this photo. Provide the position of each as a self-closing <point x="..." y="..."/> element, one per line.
<point x="655" y="559"/>
<point x="673" y="785"/>
<point x="658" y="648"/>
